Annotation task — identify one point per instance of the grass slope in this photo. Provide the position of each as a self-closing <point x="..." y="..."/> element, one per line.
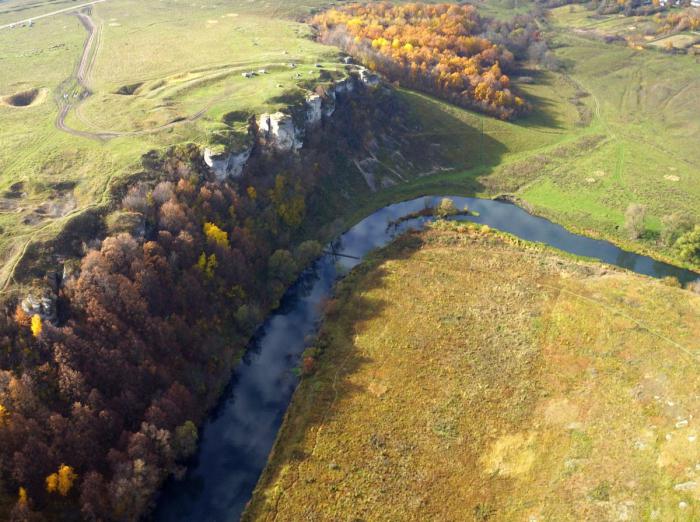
<point x="189" y="58"/>
<point x="469" y="376"/>
<point x="618" y="127"/>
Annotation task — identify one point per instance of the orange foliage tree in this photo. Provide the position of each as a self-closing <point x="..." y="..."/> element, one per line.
<point x="430" y="47"/>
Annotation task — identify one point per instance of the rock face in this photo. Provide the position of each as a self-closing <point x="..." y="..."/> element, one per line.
<point x="280" y="132"/>
<point x="277" y="130"/>
<point x="345" y="86"/>
<point x="314" y="112"/>
<point x="369" y="78"/>
<point x="227" y="164"/>
<point x="42" y="305"/>
<point x="329" y="104"/>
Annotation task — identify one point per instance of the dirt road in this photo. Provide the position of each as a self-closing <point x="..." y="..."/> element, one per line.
<point x="27" y="20"/>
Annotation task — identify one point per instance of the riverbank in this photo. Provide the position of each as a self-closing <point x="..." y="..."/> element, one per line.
<point x="506" y="381"/>
<point x="465" y="184"/>
<point x="262" y="385"/>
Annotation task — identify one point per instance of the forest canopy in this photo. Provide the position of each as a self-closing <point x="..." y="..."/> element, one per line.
<point x="436" y="48"/>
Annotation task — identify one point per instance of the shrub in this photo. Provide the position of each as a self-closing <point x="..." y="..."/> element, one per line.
<point x="688" y="246"/>
<point x="674" y="226"/>
<point x="445" y="208"/>
<point x="307" y="252"/>
<point x="634" y="220"/>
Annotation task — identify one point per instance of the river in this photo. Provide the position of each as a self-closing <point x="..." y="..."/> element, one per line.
<point x="237" y="438"/>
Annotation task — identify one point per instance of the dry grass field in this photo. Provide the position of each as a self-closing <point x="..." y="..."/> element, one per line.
<point x="464" y="375"/>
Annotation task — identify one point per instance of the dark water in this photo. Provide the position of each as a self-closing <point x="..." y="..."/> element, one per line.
<point x="237" y="438"/>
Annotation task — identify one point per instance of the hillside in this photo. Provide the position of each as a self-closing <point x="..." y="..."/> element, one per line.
<point x="465" y="375"/>
<point x="168" y="169"/>
<point x="157" y="73"/>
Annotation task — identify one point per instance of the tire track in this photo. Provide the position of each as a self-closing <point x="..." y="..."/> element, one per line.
<point x="81" y="76"/>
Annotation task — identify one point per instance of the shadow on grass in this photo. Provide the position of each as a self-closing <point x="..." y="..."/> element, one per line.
<point x="541" y="115"/>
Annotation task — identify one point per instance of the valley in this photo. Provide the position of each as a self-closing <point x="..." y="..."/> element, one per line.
<point x="174" y="178"/>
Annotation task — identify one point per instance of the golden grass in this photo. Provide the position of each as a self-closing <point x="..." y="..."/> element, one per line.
<point x="468" y="376"/>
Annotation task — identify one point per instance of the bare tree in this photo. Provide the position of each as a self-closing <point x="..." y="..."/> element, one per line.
<point x="634" y="220"/>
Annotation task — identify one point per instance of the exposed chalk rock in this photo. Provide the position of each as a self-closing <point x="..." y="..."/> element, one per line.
<point x="329" y="104"/>
<point x="314" y="111"/>
<point x="278" y="131"/>
<point x="43" y="305"/>
<point x="344" y="86"/>
<point x="369" y="78"/>
<point x="227" y="164"/>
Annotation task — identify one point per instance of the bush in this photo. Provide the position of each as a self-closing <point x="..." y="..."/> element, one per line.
<point x="307" y="252"/>
<point x="674" y="226"/>
<point x="688" y="246"/>
<point x="634" y="220"/>
<point x="445" y="208"/>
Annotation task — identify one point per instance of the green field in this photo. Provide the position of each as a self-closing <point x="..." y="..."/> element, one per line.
<point x="187" y="59"/>
<point x="615" y="126"/>
<point x="505" y="382"/>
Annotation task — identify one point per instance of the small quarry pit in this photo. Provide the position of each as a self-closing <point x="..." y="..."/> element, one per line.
<point x="28" y="98"/>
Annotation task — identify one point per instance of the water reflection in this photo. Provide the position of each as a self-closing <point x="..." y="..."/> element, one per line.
<point x="237" y="438"/>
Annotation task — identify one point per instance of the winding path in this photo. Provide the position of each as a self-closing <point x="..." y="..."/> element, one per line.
<point x="71" y="100"/>
<point x="81" y="76"/>
<point x="72" y="8"/>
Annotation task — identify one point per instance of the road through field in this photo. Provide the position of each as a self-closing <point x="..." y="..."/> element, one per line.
<point x="81" y="76"/>
<point x="34" y="18"/>
<point x="69" y="99"/>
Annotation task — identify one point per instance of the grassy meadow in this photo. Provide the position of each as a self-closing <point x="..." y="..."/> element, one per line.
<point x="187" y="60"/>
<point x="462" y="374"/>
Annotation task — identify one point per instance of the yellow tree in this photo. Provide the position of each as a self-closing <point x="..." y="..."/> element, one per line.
<point x="62" y="481"/>
<point x="207" y="265"/>
<point x="22" y="497"/>
<point x="52" y="483"/>
<point x="3" y="415"/>
<point x="36" y="326"/>
<point x="66" y="479"/>
<point x="213" y="232"/>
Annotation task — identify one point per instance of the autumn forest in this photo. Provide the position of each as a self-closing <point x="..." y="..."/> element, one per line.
<point x="438" y="48"/>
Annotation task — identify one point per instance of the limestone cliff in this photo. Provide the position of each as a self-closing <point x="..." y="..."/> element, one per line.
<point x="285" y="131"/>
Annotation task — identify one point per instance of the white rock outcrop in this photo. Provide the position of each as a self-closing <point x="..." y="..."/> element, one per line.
<point x="279" y="132"/>
<point x="344" y="86"/>
<point x="369" y="78"/>
<point x="42" y="305"/>
<point x="329" y="104"/>
<point x="227" y="164"/>
<point x="314" y="112"/>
